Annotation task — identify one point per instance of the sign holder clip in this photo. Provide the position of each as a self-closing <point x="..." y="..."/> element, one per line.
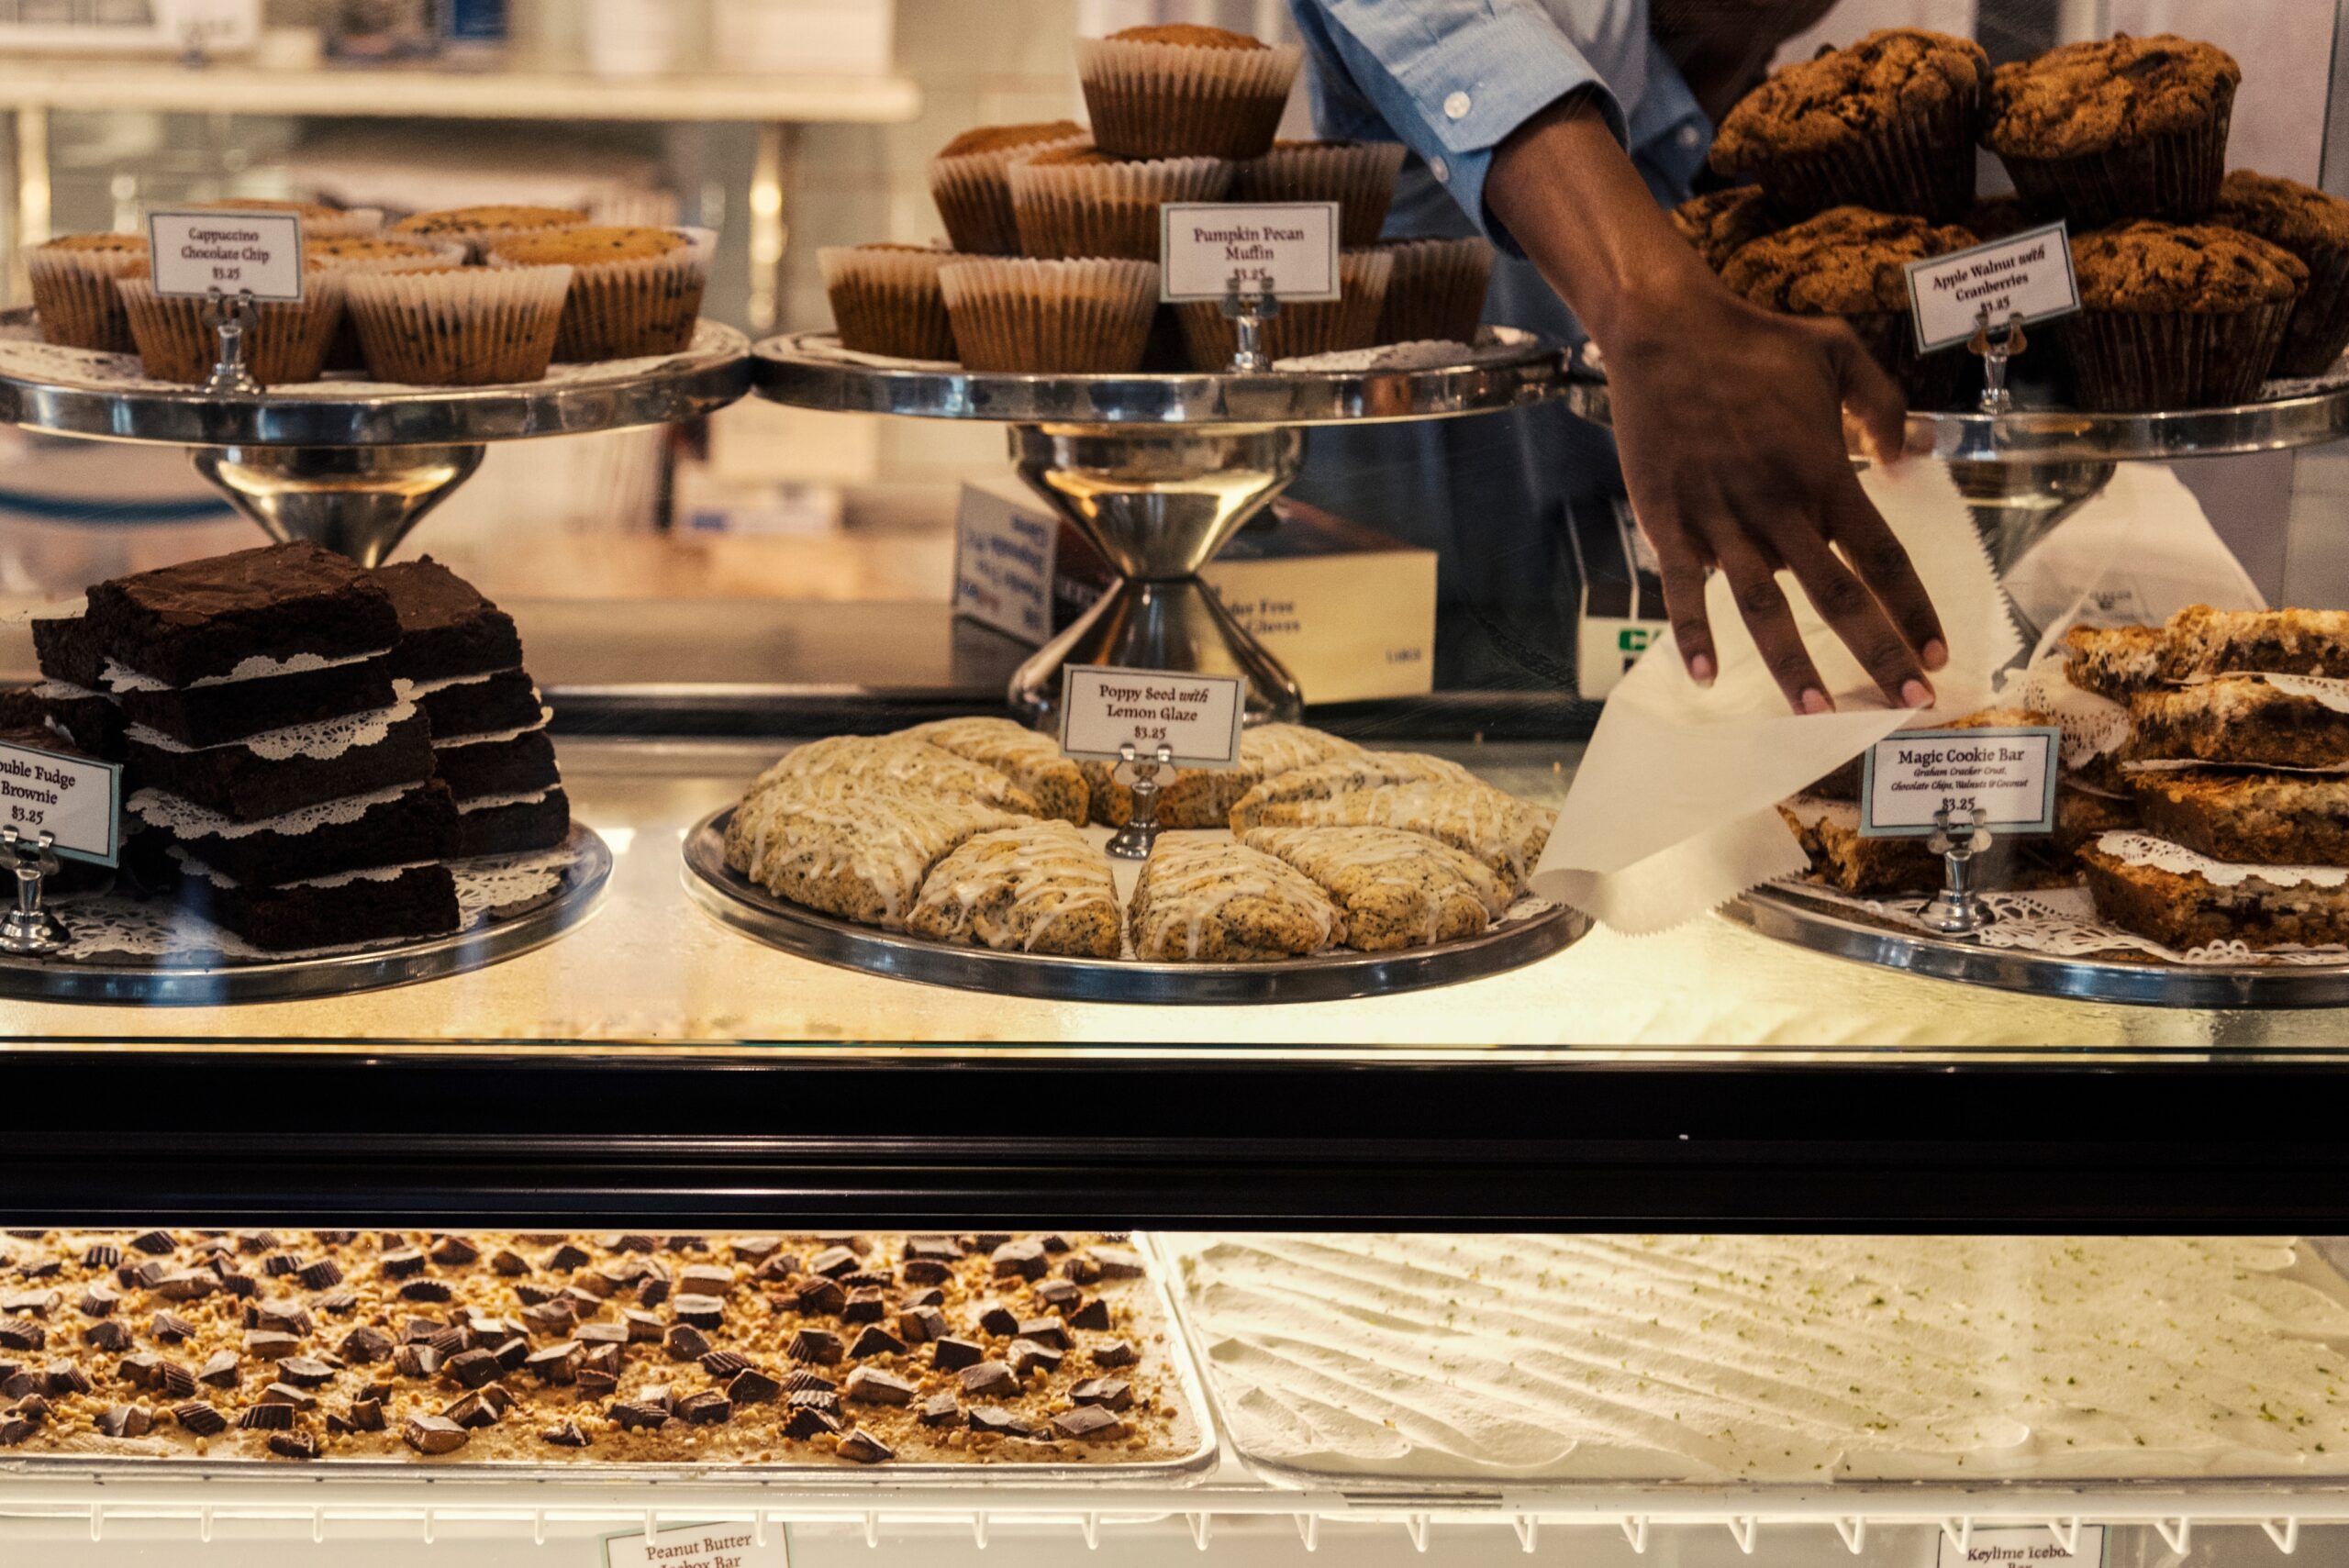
<point x="1956" y="910"/>
<point x="1133" y="842"/>
<point x="1249" y="309"/>
<point x="231" y="317"/>
<point x="1996" y="345"/>
<point x="27" y="930"/>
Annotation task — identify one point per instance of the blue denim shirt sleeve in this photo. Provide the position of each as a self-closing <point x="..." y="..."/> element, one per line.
<point x="1453" y="78"/>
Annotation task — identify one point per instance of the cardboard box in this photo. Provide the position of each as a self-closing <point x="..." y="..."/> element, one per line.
<point x="1351" y="611"/>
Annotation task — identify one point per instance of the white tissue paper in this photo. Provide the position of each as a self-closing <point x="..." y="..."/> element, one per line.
<point x="1673" y="810"/>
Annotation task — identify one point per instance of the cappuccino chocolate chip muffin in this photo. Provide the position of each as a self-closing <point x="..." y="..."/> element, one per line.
<point x="1847" y="263"/>
<point x="479" y="228"/>
<point x="967" y="181"/>
<point x="634" y="291"/>
<point x="1720" y="223"/>
<point x="287" y="342"/>
<point x="2314" y="226"/>
<point x="2176" y="316"/>
<point x="1185" y="91"/>
<point x="1079" y="201"/>
<point x="73" y="293"/>
<point x="1889" y="123"/>
<point x="2115" y="128"/>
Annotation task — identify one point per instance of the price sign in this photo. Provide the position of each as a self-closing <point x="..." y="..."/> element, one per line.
<point x="1289" y="249"/>
<point x="1196" y="717"/>
<point x="2021" y="1546"/>
<point x="2005" y="777"/>
<point x="696" y="1546"/>
<point x="2027" y="274"/>
<point x="259" y="253"/>
<point x="76" y="800"/>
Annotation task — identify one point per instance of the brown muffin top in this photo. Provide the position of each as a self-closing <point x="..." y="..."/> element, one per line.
<point x="1994" y="217"/>
<point x="97" y="243"/>
<point x="473" y="219"/>
<point x="2087" y="97"/>
<point x="2198" y="268"/>
<point x="1845" y="262"/>
<point x="1846" y="95"/>
<point x="1083" y="153"/>
<point x="1310" y="144"/>
<point x="368" y="247"/>
<point x="2300" y="217"/>
<point x="254" y="204"/>
<point x="995" y="138"/>
<point x="1720" y="223"/>
<point x="1188" y="35"/>
<point x="588" y="246"/>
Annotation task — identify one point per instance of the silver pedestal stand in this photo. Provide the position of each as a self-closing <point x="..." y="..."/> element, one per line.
<point x="345" y="463"/>
<point x="1158" y="473"/>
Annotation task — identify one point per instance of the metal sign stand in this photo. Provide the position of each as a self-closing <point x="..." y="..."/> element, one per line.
<point x="1997" y="345"/>
<point x="1133" y="842"/>
<point x="1957" y="910"/>
<point x="28" y="930"/>
<point x="231" y="317"/>
<point x="1249" y="309"/>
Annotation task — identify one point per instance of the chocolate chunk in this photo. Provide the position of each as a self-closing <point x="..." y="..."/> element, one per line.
<point x="705" y="1279"/>
<point x="781" y="1269"/>
<point x="416" y="1361"/>
<point x="426" y="1290"/>
<point x="319" y="1275"/>
<point x="595" y="1382"/>
<point x="865" y="1307"/>
<point x="102" y="1255"/>
<point x="833" y="1262"/>
<point x="39" y="1303"/>
<point x="1080" y="1267"/>
<point x="1027" y="1355"/>
<point x="1110" y="1393"/>
<point x="510" y="1263"/>
<point x="334" y="1238"/>
<point x="685" y="1243"/>
<point x="751" y="1386"/>
<point x="15" y="1429"/>
<point x="18" y="1381"/>
<point x="820" y="1345"/>
<point x="286" y="1393"/>
<point x="194" y="1416"/>
<point x="1021" y="1259"/>
<point x="986" y="1240"/>
<point x="723" y="1365"/>
<point x="871" y="1386"/>
<point x="548" y="1318"/>
<point x="567" y="1257"/>
<point x="813" y="1399"/>
<point x="634" y="1242"/>
<point x="532" y="1295"/>
<point x="31" y="1408"/>
<point x="236" y="1285"/>
<point x="338" y="1301"/>
<point x="270" y="1344"/>
<point x="1118" y="1262"/>
<point x="954" y="1355"/>
<point x="701" y="1311"/>
<point x="755" y="1249"/>
<point x="685" y="1342"/>
<point x="1114" y="1352"/>
<point x="876" y="1342"/>
<point x="653" y="1290"/>
<point x="99" y="1302"/>
<point x="155" y="1242"/>
<point x="1045" y="1332"/>
<point x="173" y="1380"/>
<point x="1088" y="1423"/>
<point x="802" y="1381"/>
<point x="266" y="1417"/>
<point x="555" y="1363"/>
<point x="253" y="1243"/>
<point x="108" y="1334"/>
<point x="280" y="1264"/>
<point x="60" y="1379"/>
<point x="434" y="1434"/>
<point x="402" y="1264"/>
<point x="565" y="1434"/>
<point x="304" y="1372"/>
<point x="294" y="1445"/>
<point x="808" y="1423"/>
<point x="931" y="1249"/>
<point x="601" y="1333"/>
<point x="1094" y="1314"/>
<point x="988" y="1377"/>
<point x="1058" y="1294"/>
<point x="187" y="1284"/>
<point x="863" y="1446"/>
<point x="940" y="1410"/>
<point x="996" y="1420"/>
<point x="454" y="1251"/>
<point x="476" y="1410"/>
<point x="867" y="1279"/>
<point x="125" y="1421"/>
<point x="821" y="1298"/>
<point x="365" y="1416"/>
<point x="511" y="1353"/>
<point x="924" y="1271"/>
<point x="606" y="1358"/>
<point x="219" y="1369"/>
<point x="141" y="1369"/>
<point x="633" y="1414"/>
<point x="365" y="1344"/>
<point x="707" y="1409"/>
<point x="469" y="1370"/>
<point x="997" y="1318"/>
<point x="921" y="1325"/>
<point x="286" y="1316"/>
<point x="590" y="1286"/>
<point x="1054" y="1241"/>
<point x="933" y="1297"/>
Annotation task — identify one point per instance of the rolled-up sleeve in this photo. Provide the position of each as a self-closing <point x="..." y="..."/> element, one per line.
<point x="1453" y="78"/>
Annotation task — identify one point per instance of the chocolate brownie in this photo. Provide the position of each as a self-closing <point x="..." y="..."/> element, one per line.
<point x="478" y="704"/>
<point x="513" y="764"/>
<point x="89" y="719"/>
<point x="497" y="825"/>
<point x="446" y="627"/>
<point x="399" y="826"/>
<point x="232" y="710"/>
<point x="183" y="623"/>
<point x="284" y="769"/>
<point x="67" y="651"/>
<point x="355" y="907"/>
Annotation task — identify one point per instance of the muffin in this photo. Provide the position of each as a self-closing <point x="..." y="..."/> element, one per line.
<point x="1435" y="290"/>
<point x="1719" y="223"/>
<point x="1889" y="123"/>
<point x="479" y="228"/>
<point x="886" y="299"/>
<point x="1994" y="217"/>
<point x="1079" y="201"/>
<point x="459" y="326"/>
<point x="1303" y="326"/>
<point x="634" y="291"/>
<point x="73" y="293"/>
<point x="1357" y="175"/>
<point x="375" y="253"/>
<point x="1185" y="91"/>
<point x="319" y="221"/>
<point x="966" y="181"/>
<point x="2314" y="226"/>
<point x="2116" y="129"/>
<point x="287" y="342"/>
<point x="1040" y="318"/>
<point x="2176" y="316"/>
<point x="1848" y="263"/>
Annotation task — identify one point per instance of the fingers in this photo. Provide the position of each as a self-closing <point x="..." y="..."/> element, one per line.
<point x="1854" y="614"/>
<point x="1877" y="556"/>
<point x="1871" y="399"/>
<point x="1762" y="606"/>
<point x="1680" y="562"/>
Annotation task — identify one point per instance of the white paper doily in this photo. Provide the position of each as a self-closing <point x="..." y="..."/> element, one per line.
<point x="2093" y="726"/>
<point x="2144" y="850"/>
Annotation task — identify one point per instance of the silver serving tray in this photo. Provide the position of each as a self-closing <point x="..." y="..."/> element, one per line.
<point x="235" y="980"/>
<point x="1785" y="915"/>
<point x="736" y="901"/>
<point x="807" y="371"/>
<point x="712" y="374"/>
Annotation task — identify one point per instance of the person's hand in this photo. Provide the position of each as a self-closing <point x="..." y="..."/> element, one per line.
<point x="1730" y="422"/>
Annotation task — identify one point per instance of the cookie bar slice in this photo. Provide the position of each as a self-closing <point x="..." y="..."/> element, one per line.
<point x="2116" y="661"/>
<point x="859" y="849"/>
<point x="2211" y="901"/>
<point x="1829" y="831"/>
<point x="1210" y="900"/>
<point x="2204" y="641"/>
<point x="2249" y="818"/>
<point x="2282" y="721"/>
<point x="1036" y="887"/>
<point x="1032" y="761"/>
<point x="1395" y="889"/>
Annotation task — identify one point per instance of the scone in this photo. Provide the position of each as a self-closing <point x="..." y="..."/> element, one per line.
<point x="893" y="759"/>
<point x="1504" y="832"/>
<point x="1202" y="797"/>
<point x="1395" y="889"/>
<point x="1028" y="760"/>
<point x="859" y="849"/>
<point x="1205" y="900"/>
<point x="1343" y="775"/>
<point x="1037" y="888"/>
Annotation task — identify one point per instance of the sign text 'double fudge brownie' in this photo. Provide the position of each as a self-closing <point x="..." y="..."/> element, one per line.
<point x="284" y="769"/>
<point x="202" y="618"/>
<point x="446" y="627"/>
<point x="399" y="826"/>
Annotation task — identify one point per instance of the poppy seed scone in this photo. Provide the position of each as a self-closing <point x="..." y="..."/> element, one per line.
<point x="1395" y="889"/>
<point x="1202" y="797"/>
<point x="856" y="848"/>
<point x="895" y="759"/>
<point x="1203" y="900"/>
<point x="1028" y="760"/>
<point x="1344" y="775"/>
<point x="1505" y="833"/>
<point x="1033" y="887"/>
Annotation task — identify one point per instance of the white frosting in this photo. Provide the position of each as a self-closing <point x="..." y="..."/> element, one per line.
<point x="189" y="820"/>
<point x="1190" y="882"/>
<point x="1011" y="888"/>
<point x="258" y="667"/>
<point x="2143" y="850"/>
<point x="494" y="737"/>
<point x="492" y="802"/>
<point x="322" y="742"/>
<point x="408" y="688"/>
<point x="1772" y="1358"/>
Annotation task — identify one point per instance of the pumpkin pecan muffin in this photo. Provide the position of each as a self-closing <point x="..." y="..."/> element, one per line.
<point x="1889" y="123"/>
<point x="2116" y="128"/>
<point x="1847" y="263"/>
<point x="1185" y="91"/>
<point x="2176" y="316"/>
<point x="968" y="180"/>
<point x="1078" y="201"/>
<point x="2313" y="225"/>
<point x="1720" y="223"/>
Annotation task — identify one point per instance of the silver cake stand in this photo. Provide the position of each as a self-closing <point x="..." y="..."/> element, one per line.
<point x="346" y="463"/>
<point x="1158" y="473"/>
<point x="734" y="900"/>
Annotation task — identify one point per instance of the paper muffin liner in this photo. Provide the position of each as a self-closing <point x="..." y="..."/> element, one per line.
<point x="973" y="196"/>
<point x="1922" y="166"/>
<point x="1167" y="100"/>
<point x="1306" y="326"/>
<point x="1074" y="317"/>
<point x="76" y="298"/>
<point x="1106" y="209"/>
<point x="1436" y="290"/>
<point x="458" y="327"/>
<point x="287" y="342"/>
<point x="1357" y="175"/>
<point x="344" y="353"/>
<point x="2174" y="175"/>
<point x="2319" y="329"/>
<point x="1932" y="381"/>
<point x="627" y="310"/>
<point x="886" y="300"/>
<point x="2131" y="362"/>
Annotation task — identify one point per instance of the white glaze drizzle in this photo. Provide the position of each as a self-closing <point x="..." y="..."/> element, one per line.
<point x="1188" y="883"/>
<point x="1052" y="874"/>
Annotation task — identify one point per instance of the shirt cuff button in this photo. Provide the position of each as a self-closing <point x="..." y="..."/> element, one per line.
<point x="1456" y="106"/>
<point x="1439" y="169"/>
